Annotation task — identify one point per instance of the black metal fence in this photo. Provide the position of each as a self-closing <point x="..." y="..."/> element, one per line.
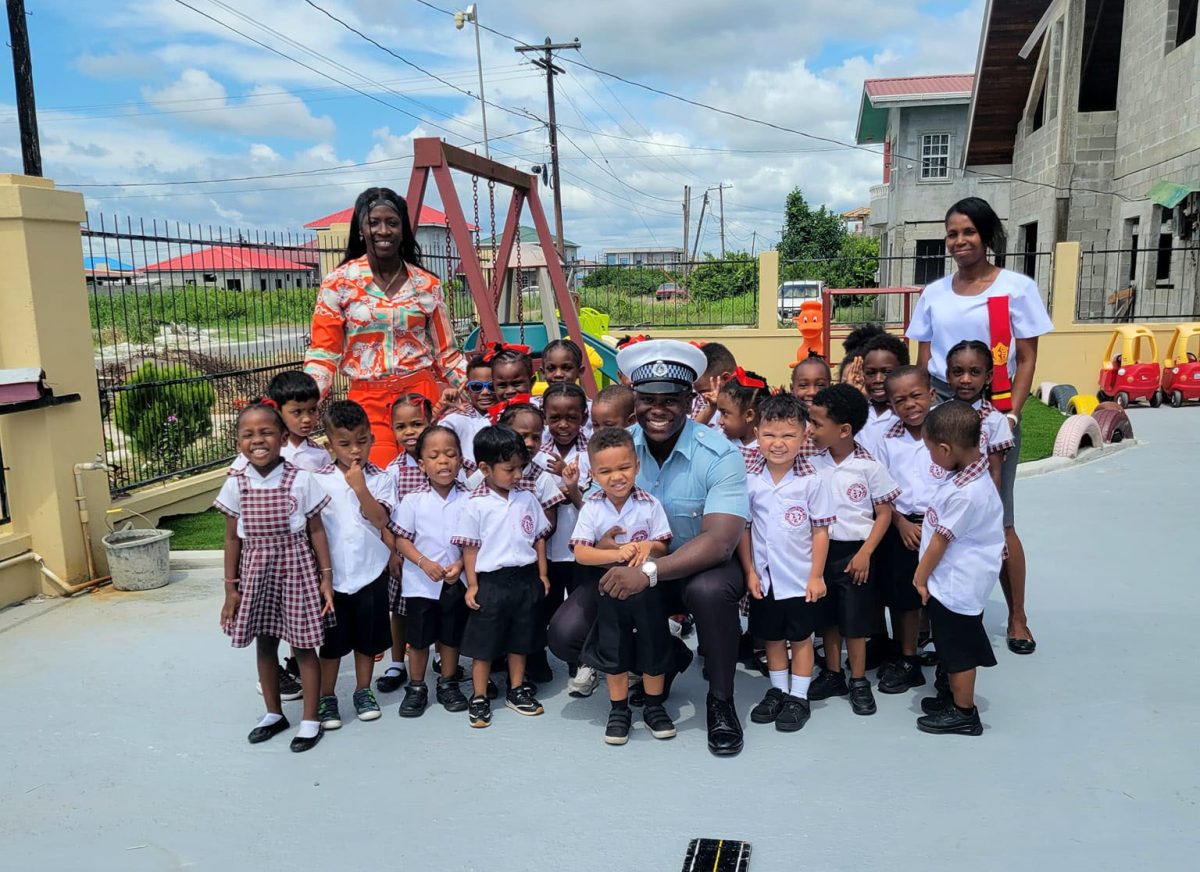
<point x="708" y="293"/>
<point x="5" y="517"/>
<point x="1144" y="284"/>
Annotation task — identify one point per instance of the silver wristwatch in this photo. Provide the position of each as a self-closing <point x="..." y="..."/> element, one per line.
<point x="650" y="568"/>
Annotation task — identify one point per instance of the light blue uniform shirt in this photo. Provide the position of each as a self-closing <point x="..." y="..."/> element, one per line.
<point x="704" y="474"/>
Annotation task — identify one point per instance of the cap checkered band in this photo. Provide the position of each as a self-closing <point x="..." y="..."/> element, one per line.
<point x="663" y="370"/>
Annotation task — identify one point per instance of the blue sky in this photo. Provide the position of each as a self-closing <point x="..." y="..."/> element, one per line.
<point x="135" y="92"/>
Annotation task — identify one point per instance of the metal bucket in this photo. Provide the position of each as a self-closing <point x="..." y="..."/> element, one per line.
<point x="139" y="559"/>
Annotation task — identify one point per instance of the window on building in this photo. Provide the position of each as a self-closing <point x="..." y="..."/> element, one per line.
<point x="1039" y="111"/>
<point x="1101" y="59"/>
<point x="1162" y="270"/>
<point x="1185" y="20"/>
<point x="1130" y="235"/>
<point x="279" y="284"/>
<point x="1029" y="244"/>
<point x="233" y="284"/>
<point x="931" y="261"/>
<point x="210" y="278"/>
<point x="935" y="156"/>
<point x="1055" y="74"/>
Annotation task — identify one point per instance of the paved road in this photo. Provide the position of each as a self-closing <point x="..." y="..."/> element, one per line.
<point x="124" y="744"/>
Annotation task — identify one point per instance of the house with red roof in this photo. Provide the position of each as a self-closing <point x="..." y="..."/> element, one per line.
<point x="237" y="268"/>
<point x="921" y="124"/>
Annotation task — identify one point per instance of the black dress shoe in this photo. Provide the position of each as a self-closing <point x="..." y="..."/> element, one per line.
<point x="300" y="745"/>
<point x="724" y="729"/>
<point x="952" y="720"/>
<point x="261" y="734"/>
<point x="1021" y="646"/>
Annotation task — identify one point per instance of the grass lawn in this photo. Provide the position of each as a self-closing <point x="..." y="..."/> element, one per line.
<point x="1039" y="426"/>
<point x="202" y="532"/>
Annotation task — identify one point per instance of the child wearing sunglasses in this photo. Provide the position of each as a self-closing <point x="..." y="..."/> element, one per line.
<point x="468" y="420"/>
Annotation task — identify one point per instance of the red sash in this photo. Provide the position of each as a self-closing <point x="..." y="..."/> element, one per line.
<point x="1000" y="341"/>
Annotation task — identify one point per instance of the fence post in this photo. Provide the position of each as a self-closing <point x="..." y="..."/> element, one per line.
<point x="1064" y="284"/>
<point x="768" y="290"/>
<point x="46" y="324"/>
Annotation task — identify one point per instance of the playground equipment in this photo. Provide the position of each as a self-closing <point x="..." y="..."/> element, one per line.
<point x="433" y="157"/>
<point x="1114" y="425"/>
<point x="1133" y="372"/>
<point x="811" y="324"/>
<point x="1082" y="404"/>
<point x="1181" y="368"/>
<point x="1060" y="397"/>
<point x="1076" y="433"/>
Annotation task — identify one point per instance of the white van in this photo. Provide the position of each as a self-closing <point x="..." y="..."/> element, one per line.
<point x="792" y="294"/>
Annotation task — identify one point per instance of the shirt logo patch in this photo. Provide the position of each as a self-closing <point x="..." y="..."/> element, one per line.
<point x="857" y="492"/>
<point x="639" y="536"/>
<point x="293" y="505"/>
<point x="527" y="524"/>
<point x="795" y="516"/>
<point x="931" y="517"/>
<point x="936" y="471"/>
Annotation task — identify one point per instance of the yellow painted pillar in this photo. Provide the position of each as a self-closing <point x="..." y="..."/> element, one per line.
<point x="334" y="239"/>
<point x="1064" y="286"/>
<point x="46" y="325"/>
<point x="768" y="290"/>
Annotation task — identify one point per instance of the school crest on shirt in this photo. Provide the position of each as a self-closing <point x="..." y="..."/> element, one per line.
<point x="931" y="517"/>
<point x="857" y="492"/>
<point x="795" y="516"/>
<point x="639" y="536"/>
<point x="936" y="471"/>
<point x="293" y="505"/>
<point x="527" y="525"/>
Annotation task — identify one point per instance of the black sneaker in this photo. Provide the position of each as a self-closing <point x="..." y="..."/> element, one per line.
<point x="687" y="626"/>
<point x="479" y="712"/>
<point x="289" y="686"/>
<point x="658" y="722"/>
<point x="416" y="700"/>
<point x="619" y="722"/>
<point x="492" y="690"/>
<point x="768" y="710"/>
<point x="291" y="667"/>
<point x="537" y="668"/>
<point x="328" y="714"/>
<point x="904" y="675"/>
<point x="366" y="706"/>
<point x="952" y="720"/>
<point x="862" y="701"/>
<point x="391" y="680"/>
<point x="933" y="705"/>
<point x="828" y="684"/>
<point x="725" y="737"/>
<point x="449" y="696"/>
<point x="521" y="700"/>
<point x="794" y="714"/>
<point x="885" y="667"/>
<point x="460" y="674"/>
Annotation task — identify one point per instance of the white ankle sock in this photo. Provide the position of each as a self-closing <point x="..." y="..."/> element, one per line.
<point x="779" y="679"/>
<point x="396" y="666"/>
<point x="270" y="720"/>
<point x="800" y="685"/>
<point x="308" y="729"/>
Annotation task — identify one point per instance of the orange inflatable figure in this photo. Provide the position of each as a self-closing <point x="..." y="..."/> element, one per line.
<point x="810" y="323"/>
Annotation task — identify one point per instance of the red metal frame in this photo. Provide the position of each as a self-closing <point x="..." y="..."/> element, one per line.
<point x="827" y="295"/>
<point x="432" y="156"/>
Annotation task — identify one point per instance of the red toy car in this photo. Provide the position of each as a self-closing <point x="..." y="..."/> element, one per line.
<point x="1132" y="373"/>
<point x="1181" y="369"/>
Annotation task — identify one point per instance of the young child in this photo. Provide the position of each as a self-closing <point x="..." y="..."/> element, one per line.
<point x="882" y="354"/>
<point x="861" y="497"/>
<point x="962" y="544"/>
<point x="613" y="407"/>
<point x="721" y="366"/>
<point x="902" y="451"/>
<point x="273" y="587"/>
<point x="412" y="414"/>
<point x="501" y="531"/>
<point x="468" y="420"/>
<point x="564" y="456"/>
<point x="361" y="500"/>
<point x="512" y="370"/>
<point x="628" y="633"/>
<point x="783" y="557"/>
<point x="854" y="345"/>
<point x="623" y="377"/>
<point x="969" y="373"/>
<point x="810" y="376"/>
<point x="737" y="404"/>
<point x="562" y="363"/>
<point x="431" y="578"/>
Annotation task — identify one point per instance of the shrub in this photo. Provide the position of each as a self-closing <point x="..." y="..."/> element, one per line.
<point x="163" y="408"/>
<point x="733" y="276"/>
<point x="634" y="280"/>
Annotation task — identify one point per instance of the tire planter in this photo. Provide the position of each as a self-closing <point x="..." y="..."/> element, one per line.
<point x="1060" y="396"/>
<point x="1082" y="404"/>
<point x="1107" y="404"/>
<point x="1043" y="391"/>
<point x="1077" y="432"/>
<point x="1114" y="425"/>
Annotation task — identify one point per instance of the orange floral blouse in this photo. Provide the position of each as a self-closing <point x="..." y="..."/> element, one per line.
<point x="358" y="330"/>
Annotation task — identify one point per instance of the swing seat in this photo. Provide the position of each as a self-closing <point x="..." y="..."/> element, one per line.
<point x="536" y="338"/>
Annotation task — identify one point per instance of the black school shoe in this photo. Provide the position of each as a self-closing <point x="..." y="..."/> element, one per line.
<point x="521" y="700"/>
<point x="862" y="701"/>
<point x="261" y="734"/>
<point x="619" y="722"/>
<point x="449" y="696"/>
<point x="933" y="705"/>
<point x="390" y="682"/>
<point x="904" y="675"/>
<point x="952" y="720"/>
<point x="300" y="745"/>
<point x="794" y="715"/>
<point x="724" y="729"/>
<point x="768" y="709"/>
<point x="658" y="722"/>
<point x="416" y="700"/>
<point x="827" y="684"/>
<point x="479" y="712"/>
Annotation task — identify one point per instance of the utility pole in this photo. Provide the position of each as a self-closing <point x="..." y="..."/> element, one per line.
<point x="31" y="150"/>
<point x="687" y="202"/>
<point x="753" y="242"/>
<point x="700" y="224"/>
<point x="546" y="62"/>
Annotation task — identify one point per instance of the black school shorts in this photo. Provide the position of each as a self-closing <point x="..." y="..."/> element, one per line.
<point x="363" y="625"/>
<point x="897" y="566"/>
<point x="962" y="642"/>
<point x="630" y="635"/>
<point x="507" y="619"/>
<point x="848" y="606"/>
<point x="792" y="619"/>
<point x="438" y="620"/>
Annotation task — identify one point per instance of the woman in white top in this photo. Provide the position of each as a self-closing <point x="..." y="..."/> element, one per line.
<point x="956" y="308"/>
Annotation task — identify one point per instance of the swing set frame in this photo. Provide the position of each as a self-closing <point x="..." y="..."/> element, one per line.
<point x="432" y="156"/>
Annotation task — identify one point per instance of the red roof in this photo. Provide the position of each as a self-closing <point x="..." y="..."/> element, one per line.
<point x="430" y="217"/>
<point x="920" y="86"/>
<point x="227" y="258"/>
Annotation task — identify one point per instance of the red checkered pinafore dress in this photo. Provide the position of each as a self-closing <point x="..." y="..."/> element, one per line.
<point x="279" y="580"/>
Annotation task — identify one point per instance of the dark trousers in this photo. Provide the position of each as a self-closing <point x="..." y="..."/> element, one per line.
<point x="712" y="597"/>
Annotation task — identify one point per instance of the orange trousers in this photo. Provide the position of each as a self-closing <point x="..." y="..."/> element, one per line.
<point x="376" y="397"/>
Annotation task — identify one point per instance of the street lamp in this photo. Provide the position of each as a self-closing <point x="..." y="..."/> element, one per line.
<point x="460" y="19"/>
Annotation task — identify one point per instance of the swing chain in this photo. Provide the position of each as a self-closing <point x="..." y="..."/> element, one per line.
<point x="449" y="286"/>
<point x="520" y="285"/>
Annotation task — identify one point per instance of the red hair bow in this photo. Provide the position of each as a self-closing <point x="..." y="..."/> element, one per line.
<point x="632" y="340"/>
<point x="267" y="401"/>
<point x="497" y="347"/>
<point x="748" y="379"/>
<point x="697" y="343"/>
<point x="494" y="412"/>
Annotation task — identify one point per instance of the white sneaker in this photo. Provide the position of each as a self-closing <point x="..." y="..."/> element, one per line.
<point x="675" y="628"/>
<point x="584" y="682"/>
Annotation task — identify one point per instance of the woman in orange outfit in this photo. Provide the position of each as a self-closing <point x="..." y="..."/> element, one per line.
<point x="382" y="321"/>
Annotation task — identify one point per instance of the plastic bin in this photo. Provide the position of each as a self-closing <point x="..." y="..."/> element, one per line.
<point x="139" y="559"/>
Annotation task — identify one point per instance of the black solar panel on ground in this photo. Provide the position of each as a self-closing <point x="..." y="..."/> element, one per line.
<point x="717" y="855"/>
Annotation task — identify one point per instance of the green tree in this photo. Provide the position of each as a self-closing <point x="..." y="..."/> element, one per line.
<point x="735" y="274"/>
<point x="808" y="234"/>
<point x="856" y="264"/>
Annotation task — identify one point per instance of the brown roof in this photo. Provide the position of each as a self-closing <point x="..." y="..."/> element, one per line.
<point x="920" y="86"/>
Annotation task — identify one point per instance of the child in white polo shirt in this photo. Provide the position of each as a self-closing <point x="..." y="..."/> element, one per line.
<point x="469" y="419"/>
<point x="501" y="531"/>
<point x="962" y="545"/>
<point x="861" y="497"/>
<point x="881" y="355"/>
<point x="902" y="450"/>
<point x="783" y="556"/>
<point x="361" y="496"/>
<point x="969" y="374"/>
